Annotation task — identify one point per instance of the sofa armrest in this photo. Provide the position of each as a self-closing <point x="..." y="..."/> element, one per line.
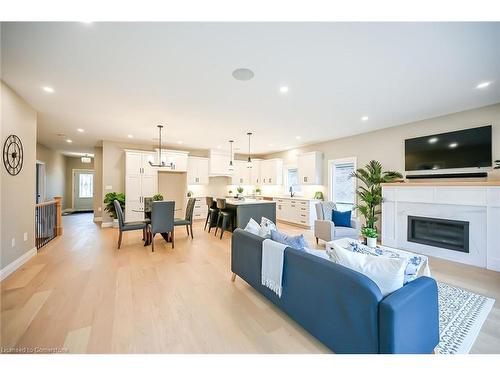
<point x="324" y="230"/>
<point x="246" y="256"/>
<point x="409" y="318"/>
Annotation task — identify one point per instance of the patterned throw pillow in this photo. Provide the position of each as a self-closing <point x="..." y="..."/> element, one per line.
<point x="295" y="242"/>
<point x="253" y="227"/>
<point x="412" y="263"/>
<point x="266" y="226"/>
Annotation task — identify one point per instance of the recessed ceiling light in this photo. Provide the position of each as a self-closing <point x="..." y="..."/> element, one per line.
<point x="130" y="136"/>
<point x="433" y="140"/>
<point x="48" y="89"/>
<point x="364" y="118"/>
<point x="80" y="130"/>
<point x="69" y="141"/>
<point x="483" y="85"/>
<point x="87" y="22"/>
<point x="453" y="145"/>
<point x="284" y="89"/>
<point x="297" y="137"/>
<point x="180" y="142"/>
<point x="271" y="144"/>
<point x="243" y="74"/>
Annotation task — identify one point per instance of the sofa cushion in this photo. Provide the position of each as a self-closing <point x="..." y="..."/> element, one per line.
<point x="296" y="242"/>
<point x="341" y="218"/>
<point x="345" y="232"/>
<point x="387" y="273"/>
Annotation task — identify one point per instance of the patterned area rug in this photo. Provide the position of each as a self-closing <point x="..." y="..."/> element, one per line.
<point x="461" y="316"/>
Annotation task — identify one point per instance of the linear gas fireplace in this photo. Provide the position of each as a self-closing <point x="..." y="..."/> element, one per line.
<point x="447" y="234"/>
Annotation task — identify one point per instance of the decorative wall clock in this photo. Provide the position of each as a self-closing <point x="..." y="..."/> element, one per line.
<point x="13" y="154"/>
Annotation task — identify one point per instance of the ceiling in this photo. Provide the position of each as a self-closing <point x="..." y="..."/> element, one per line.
<point x="116" y="79"/>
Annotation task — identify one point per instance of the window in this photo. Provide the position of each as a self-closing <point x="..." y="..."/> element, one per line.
<point x="86" y="185"/>
<point x="342" y="185"/>
<point x="292" y="180"/>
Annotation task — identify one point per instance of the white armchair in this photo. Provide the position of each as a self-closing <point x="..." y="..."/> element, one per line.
<point x="325" y="229"/>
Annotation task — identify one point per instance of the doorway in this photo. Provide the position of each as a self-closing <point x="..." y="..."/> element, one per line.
<point x="40" y="182"/>
<point x="83" y="190"/>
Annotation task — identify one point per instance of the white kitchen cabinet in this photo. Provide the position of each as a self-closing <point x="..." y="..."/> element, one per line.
<point x="271" y="171"/>
<point x="255" y="172"/>
<point x="200" y="209"/>
<point x="241" y="173"/>
<point x="310" y="168"/>
<point x="296" y="211"/>
<point x="197" y="171"/>
<point x="219" y="163"/>
<point x="178" y="160"/>
<point x="141" y="180"/>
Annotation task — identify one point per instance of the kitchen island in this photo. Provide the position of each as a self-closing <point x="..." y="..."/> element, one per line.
<point x="244" y="210"/>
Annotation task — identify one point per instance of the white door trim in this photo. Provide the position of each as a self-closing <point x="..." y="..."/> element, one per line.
<point x="73" y="184"/>
<point x="331" y="163"/>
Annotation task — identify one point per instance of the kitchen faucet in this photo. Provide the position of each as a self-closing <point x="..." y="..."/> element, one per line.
<point x="291" y="192"/>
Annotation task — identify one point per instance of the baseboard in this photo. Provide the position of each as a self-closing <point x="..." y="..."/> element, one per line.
<point x="108" y="224"/>
<point x="11" y="267"/>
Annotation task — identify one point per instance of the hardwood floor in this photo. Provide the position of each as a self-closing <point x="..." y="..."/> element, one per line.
<point x="82" y="295"/>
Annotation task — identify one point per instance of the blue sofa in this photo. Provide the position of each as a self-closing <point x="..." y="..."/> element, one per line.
<point x="342" y="308"/>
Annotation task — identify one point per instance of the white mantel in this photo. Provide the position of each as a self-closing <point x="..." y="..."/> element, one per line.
<point x="475" y="202"/>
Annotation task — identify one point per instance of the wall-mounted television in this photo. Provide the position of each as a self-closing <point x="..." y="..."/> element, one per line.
<point x="469" y="148"/>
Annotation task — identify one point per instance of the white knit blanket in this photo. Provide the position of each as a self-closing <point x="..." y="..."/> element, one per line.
<point x="272" y="265"/>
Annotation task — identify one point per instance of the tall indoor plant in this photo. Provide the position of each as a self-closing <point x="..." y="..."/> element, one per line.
<point x="110" y="207"/>
<point x="370" y="195"/>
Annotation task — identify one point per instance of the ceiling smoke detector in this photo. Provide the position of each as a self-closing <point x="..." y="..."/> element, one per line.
<point x="243" y="74"/>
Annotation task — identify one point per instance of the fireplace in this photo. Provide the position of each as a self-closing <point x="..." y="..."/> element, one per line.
<point x="443" y="233"/>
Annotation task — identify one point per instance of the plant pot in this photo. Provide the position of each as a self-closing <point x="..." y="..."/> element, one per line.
<point x="371" y="242"/>
<point x="115" y="223"/>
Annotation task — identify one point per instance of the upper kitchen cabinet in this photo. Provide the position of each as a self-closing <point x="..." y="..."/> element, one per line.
<point x="219" y="163"/>
<point x="310" y="168"/>
<point x="175" y="161"/>
<point x="255" y="172"/>
<point x="271" y="171"/>
<point x="197" y="171"/>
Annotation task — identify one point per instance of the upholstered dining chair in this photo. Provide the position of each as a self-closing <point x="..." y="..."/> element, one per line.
<point x="162" y="221"/>
<point x="212" y="214"/>
<point x="224" y="218"/>
<point x="188" y="219"/>
<point x="125" y="227"/>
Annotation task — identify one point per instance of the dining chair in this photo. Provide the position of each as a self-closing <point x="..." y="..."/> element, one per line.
<point x="188" y="219"/>
<point x="224" y="216"/>
<point x="162" y="220"/>
<point x="212" y="214"/>
<point x="125" y="227"/>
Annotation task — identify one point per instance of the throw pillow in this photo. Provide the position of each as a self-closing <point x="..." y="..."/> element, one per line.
<point x="341" y="219"/>
<point x="296" y="242"/>
<point x="387" y="273"/>
<point x="252" y="227"/>
<point x="266" y="226"/>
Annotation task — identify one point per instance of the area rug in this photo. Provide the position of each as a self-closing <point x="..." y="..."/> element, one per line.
<point x="461" y="316"/>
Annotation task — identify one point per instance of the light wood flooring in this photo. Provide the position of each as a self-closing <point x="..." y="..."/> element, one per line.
<point x="80" y="294"/>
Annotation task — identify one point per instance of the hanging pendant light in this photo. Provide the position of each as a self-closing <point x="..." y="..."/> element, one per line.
<point x="231" y="166"/>
<point x="161" y="163"/>
<point x="249" y="160"/>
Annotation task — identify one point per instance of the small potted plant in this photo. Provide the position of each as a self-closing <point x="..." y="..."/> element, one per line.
<point x="371" y="236"/>
<point x="240" y="189"/>
<point x="109" y="198"/>
<point x="319" y="195"/>
<point x="157" y="197"/>
<point x="258" y="191"/>
<point x="190" y="194"/>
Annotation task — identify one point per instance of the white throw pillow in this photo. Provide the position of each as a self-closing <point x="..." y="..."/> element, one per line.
<point x="266" y="226"/>
<point x="253" y="227"/>
<point x="387" y="273"/>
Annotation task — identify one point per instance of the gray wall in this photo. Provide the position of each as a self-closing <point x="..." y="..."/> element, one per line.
<point x="17" y="192"/>
<point x="387" y="145"/>
<point x="55" y="169"/>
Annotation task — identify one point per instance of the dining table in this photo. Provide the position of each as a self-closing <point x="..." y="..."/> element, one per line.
<point x="147" y="215"/>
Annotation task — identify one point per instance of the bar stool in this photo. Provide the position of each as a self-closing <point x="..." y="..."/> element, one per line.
<point x="212" y="214"/>
<point x="225" y="216"/>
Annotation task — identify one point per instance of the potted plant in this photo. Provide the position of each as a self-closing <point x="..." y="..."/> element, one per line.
<point x="258" y="191"/>
<point x="370" y="195"/>
<point x="371" y="236"/>
<point x="239" y="189"/>
<point x="157" y="197"/>
<point x="189" y="194"/>
<point x="109" y="198"/>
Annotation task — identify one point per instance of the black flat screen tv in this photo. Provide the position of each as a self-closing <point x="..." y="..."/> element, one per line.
<point x="469" y="148"/>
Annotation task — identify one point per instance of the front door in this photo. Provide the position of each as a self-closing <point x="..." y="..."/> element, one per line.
<point x="83" y="190"/>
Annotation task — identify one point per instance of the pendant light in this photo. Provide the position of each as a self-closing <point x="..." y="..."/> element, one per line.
<point x="249" y="161"/>
<point x="161" y="163"/>
<point x="231" y="166"/>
